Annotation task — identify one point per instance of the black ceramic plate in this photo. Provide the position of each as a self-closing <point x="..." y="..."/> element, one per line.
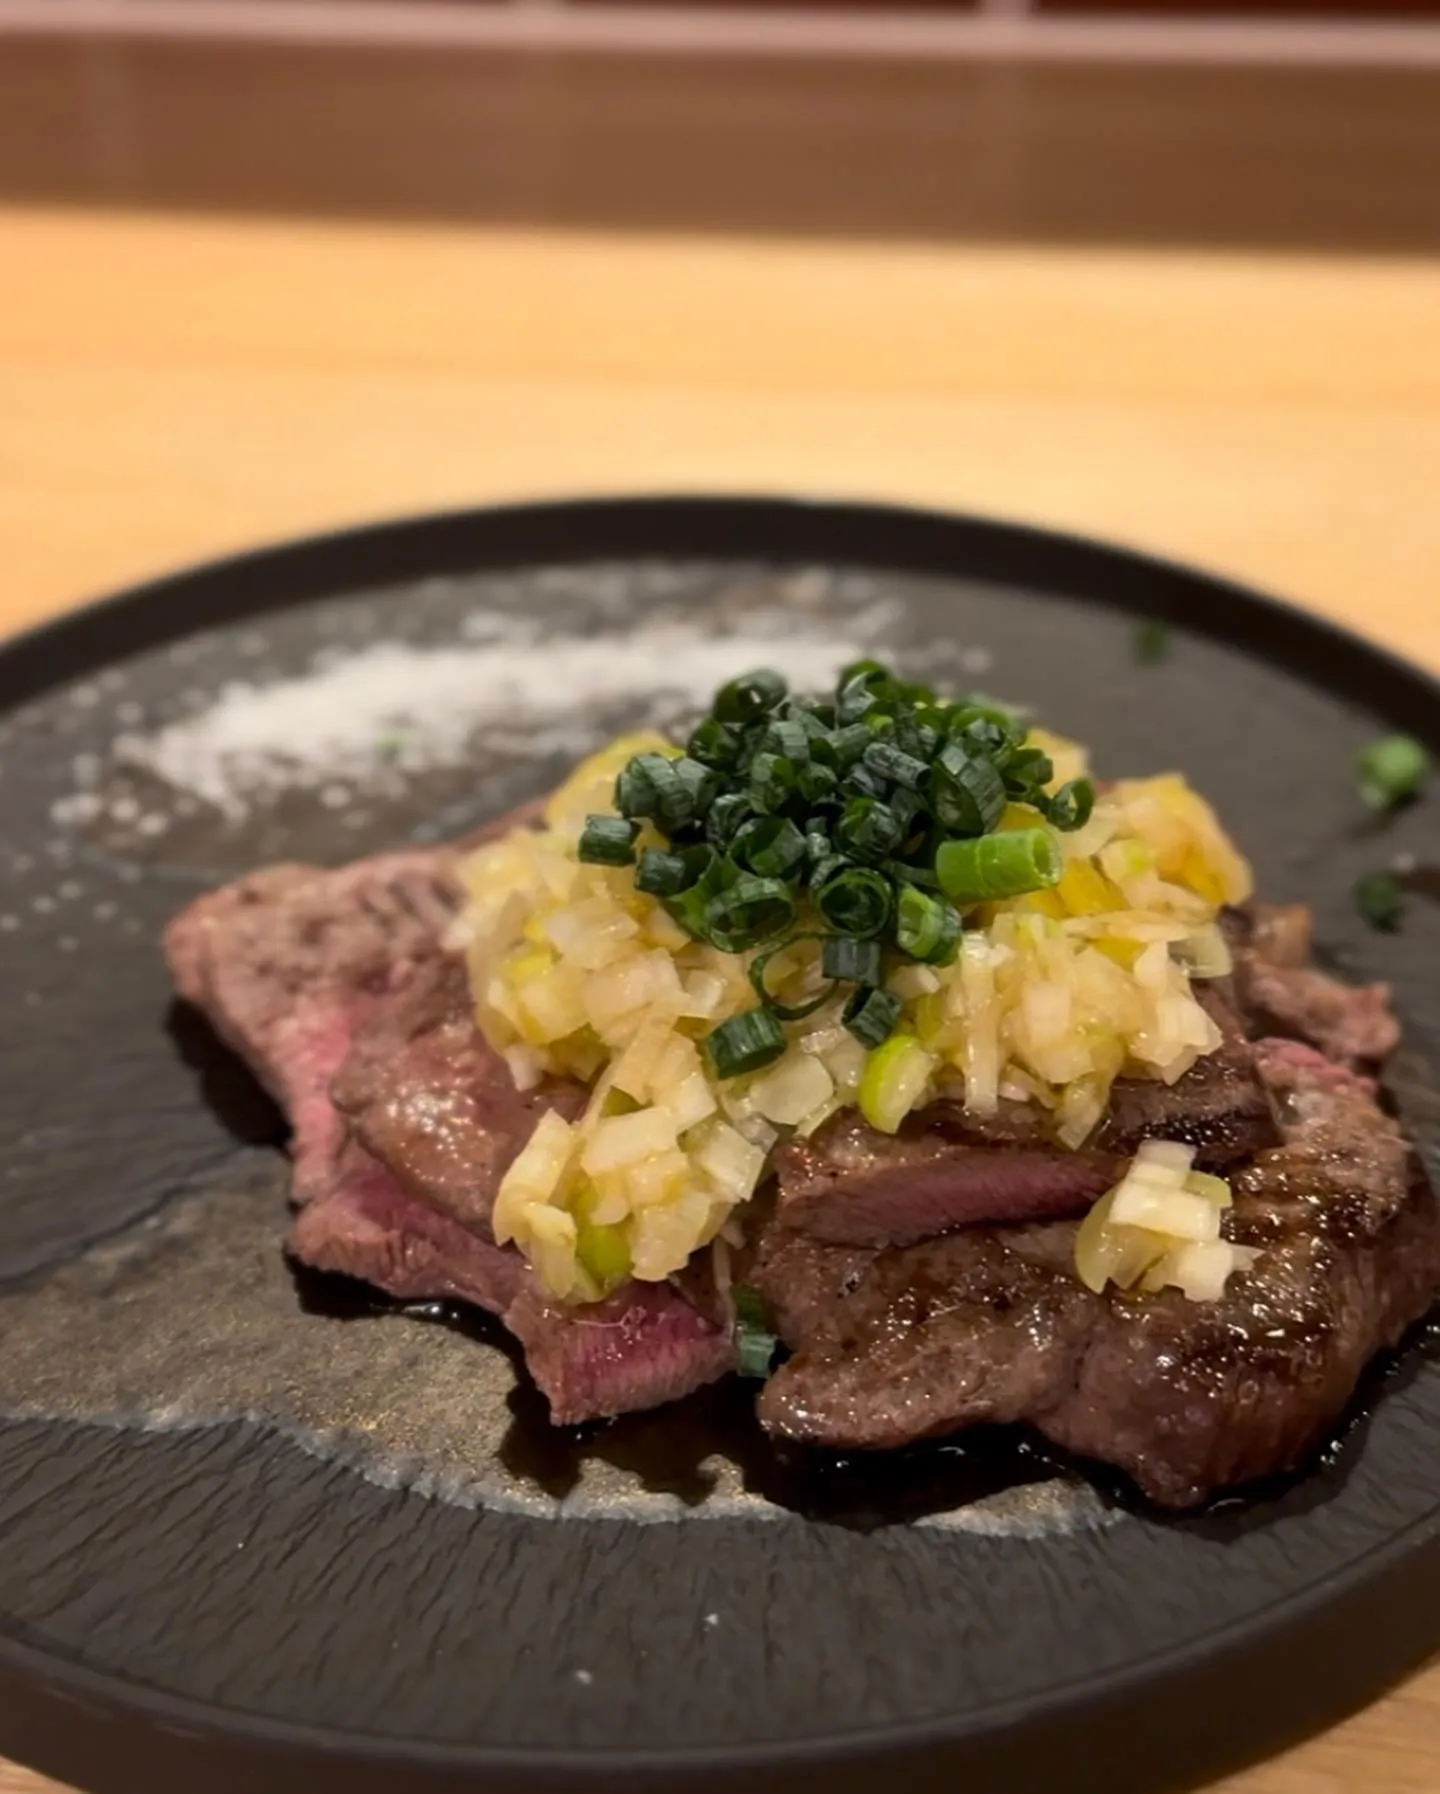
<point x="257" y="1534"/>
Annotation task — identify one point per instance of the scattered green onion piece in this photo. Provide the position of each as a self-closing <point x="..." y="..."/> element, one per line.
<point x="927" y="928"/>
<point x="755" y="1354"/>
<point x="991" y="722"/>
<point x="750" y="1309"/>
<point x="667" y="874"/>
<point x="728" y="812"/>
<point x="855" y="901"/>
<point x="1380" y="899"/>
<point x="608" y="841"/>
<point x="1152" y="642"/>
<point x="751" y="696"/>
<point x="746" y="1043"/>
<point x="750" y="911"/>
<point x="998" y="866"/>
<point x="772" y="781"/>
<point x="852" y="961"/>
<point x="871" y="1016"/>
<point x="1393" y="770"/>
<point x="967" y="794"/>
<point x="787" y="1012"/>
<point x="769" y="845"/>
<point x="893" y="763"/>
<point x="715" y="744"/>
<point x="1072" y="805"/>
<point x="868" y="829"/>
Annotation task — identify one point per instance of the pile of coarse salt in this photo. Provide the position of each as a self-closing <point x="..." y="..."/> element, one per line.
<point x="393" y="706"/>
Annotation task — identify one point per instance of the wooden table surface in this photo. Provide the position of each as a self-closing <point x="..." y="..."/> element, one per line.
<point x="172" y="388"/>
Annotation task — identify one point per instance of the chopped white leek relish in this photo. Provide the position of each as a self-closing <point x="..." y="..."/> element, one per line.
<point x="1160" y="1227"/>
<point x="1050" y="997"/>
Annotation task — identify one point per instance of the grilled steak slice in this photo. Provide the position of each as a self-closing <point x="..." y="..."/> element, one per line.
<point x="425" y="1094"/>
<point x="1281" y="993"/>
<point x="947" y="1169"/>
<point x="992" y="1325"/>
<point x="643" y="1347"/>
<point x="289" y="962"/>
<point x="304" y="971"/>
<point x="366" y="1226"/>
<point x="852" y="1185"/>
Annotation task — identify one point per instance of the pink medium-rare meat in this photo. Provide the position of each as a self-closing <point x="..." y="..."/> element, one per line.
<point x="330" y="981"/>
<point x="288" y="963"/>
<point x="947" y="1169"/>
<point x="427" y="1095"/>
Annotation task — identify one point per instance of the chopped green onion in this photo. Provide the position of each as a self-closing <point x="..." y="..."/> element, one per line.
<point x="715" y="744"/>
<point x="998" y="866"/>
<point x="893" y="763"/>
<point x="861" y="782"/>
<point x="852" y="961"/>
<point x="1152" y="642"/>
<point x="788" y="738"/>
<point x="725" y="816"/>
<point x="1380" y="899"/>
<point x="667" y="874"/>
<point x="772" y="780"/>
<point x="787" y="1012"/>
<point x="690" y="906"/>
<point x="686" y="796"/>
<point x="855" y="901"/>
<point x="746" y="1043"/>
<point x="868" y="829"/>
<point x="1027" y="771"/>
<point x="871" y="1015"/>
<point x="828" y="866"/>
<point x="848" y="745"/>
<point x="750" y="911"/>
<point x="1072" y="805"/>
<point x="769" y="845"/>
<point x="755" y="1353"/>
<point x="966" y="792"/>
<point x="926" y="927"/>
<point x="1393" y="770"/>
<point x="641" y="785"/>
<point x="750" y="1309"/>
<point x="916" y="738"/>
<point x="753" y="695"/>
<point x="755" y="1344"/>
<point x="815" y="782"/>
<point x="608" y="841"/>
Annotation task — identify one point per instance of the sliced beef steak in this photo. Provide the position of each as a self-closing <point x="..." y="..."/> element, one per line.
<point x="946" y="1169"/>
<point x="289" y="963"/>
<point x="991" y="1324"/>
<point x="425" y="1094"/>
<point x="1281" y="993"/>
<point x="336" y="985"/>
<point x="643" y="1347"/>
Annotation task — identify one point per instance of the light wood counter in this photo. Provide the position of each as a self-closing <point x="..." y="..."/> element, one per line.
<point x="171" y="389"/>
